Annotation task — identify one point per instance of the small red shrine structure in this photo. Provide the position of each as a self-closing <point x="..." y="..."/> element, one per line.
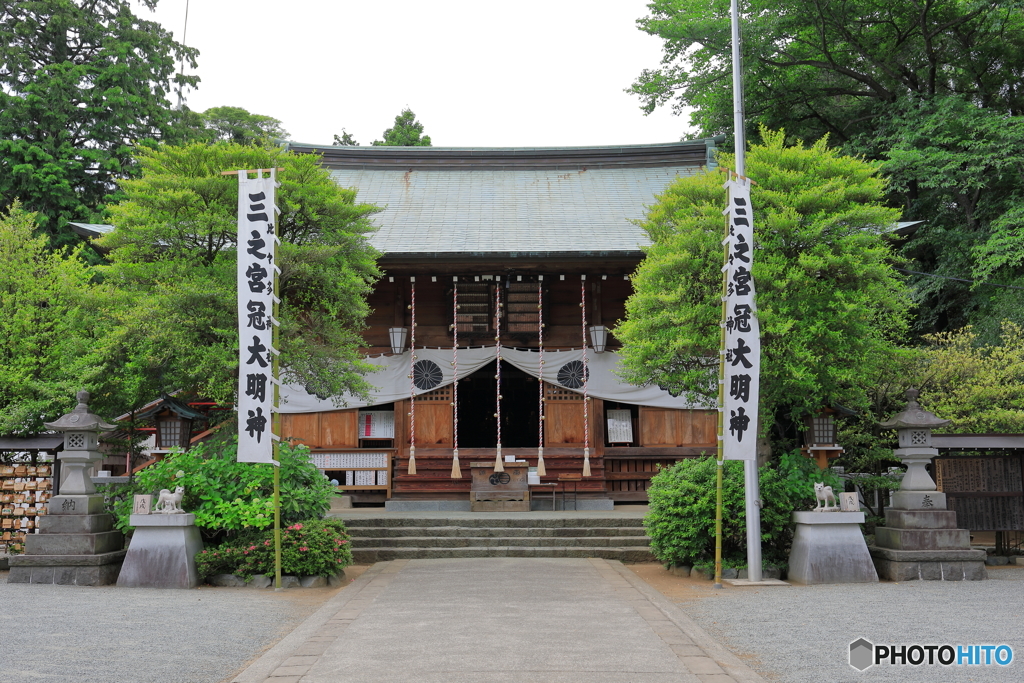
<point x="537" y="245"/>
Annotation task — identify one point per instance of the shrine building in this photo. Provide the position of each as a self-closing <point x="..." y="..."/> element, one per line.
<point x="503" y="271"/>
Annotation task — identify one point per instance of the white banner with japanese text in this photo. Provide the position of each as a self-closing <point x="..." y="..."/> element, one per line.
<point x="256" y="267"/>
<point x="742" y="331"/>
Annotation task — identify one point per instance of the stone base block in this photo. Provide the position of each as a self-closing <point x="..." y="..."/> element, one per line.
<point x="919" y="500"/>
<point x="930" y="571"/>
<point x="74" y="544"/>
<point x="923" y="539"/>
<point x="828" y="547"/>
<point x="162" y="553"/>
<point x="929" y="565"/>
<point x="920" y="519"/>
<point x="75" y="524"/>
<point x="76" y="505"/>
<point x="67" y="570"/>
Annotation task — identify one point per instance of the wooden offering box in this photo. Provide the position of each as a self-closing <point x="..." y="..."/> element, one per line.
<point x="506" y="491"/>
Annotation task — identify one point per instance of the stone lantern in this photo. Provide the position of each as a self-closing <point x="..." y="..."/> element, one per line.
<point x="81" y="448"/>
<point x="914" y="430"/>
<point x="76" y="543"/>
<point x="920" y="539"/>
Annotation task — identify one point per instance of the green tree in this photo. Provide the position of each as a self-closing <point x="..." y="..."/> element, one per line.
<point x="168" y="293"/>
<point x="836" y="66"/>
<point x="345" y="139"/>
<point x="960" y="168"/>
<point x="81" y="83"/>
<point x="407" y="132"/>
<point x="42" y="326"/>
<point x="234" y="124"/>
<point x="829" y="302"/>
<point x="933" y="86"/>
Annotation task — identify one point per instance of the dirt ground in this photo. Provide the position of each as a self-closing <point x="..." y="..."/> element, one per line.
<point x="675" y="588"/>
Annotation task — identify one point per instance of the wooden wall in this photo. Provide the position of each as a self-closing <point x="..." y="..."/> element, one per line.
<point x="390" y="308"/>
<point x="333" y="429"/>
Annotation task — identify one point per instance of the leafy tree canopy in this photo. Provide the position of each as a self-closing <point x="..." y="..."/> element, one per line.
<point x="829" y="301"/>
<point x="407" y="132"/>
<point x="169" y="290"/>
<point x="934" y="86"/>
<point x="345" y="139"/>
<point x="42" y="349"/>
<point x="834" y="66"/>
<point x="234" y="124"/>
<point x="81" y="83"/>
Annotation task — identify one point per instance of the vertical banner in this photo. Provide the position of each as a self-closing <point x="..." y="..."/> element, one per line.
<point x="742" y="331"/>
<point x="257" y="241"/>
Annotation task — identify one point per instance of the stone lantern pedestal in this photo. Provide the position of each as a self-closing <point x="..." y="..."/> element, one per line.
<point x="920" y="539"/>
<point x="76" y="543"/>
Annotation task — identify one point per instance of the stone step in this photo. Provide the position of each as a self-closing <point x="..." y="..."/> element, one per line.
<point x="499" y="541"/>
<point x="495" y="531"/>
<point x="486" y="520"/>
<point x="370" y="555"/>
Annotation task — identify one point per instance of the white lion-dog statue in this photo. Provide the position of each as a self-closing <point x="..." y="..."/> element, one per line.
<point x="821" y="492"/>
<point x="170" y="503"/>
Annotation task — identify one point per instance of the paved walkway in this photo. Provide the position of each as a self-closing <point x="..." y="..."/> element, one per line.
<point x="498" y="619"/>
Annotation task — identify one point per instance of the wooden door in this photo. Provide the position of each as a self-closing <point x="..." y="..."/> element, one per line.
<point x="301" y="428"/>
<point x="435" y="418"/>
<point x="339" y="428"/>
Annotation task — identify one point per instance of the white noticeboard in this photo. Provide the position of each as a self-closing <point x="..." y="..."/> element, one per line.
<point x="376" y="424"/>
<point x="620" y="426"/>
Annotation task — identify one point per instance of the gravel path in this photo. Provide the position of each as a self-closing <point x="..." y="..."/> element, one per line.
<point x="803" y="633"/>
<point x="138" y="635"/>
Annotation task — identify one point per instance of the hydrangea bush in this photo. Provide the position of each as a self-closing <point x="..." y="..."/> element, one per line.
<point x="308" y="548"/>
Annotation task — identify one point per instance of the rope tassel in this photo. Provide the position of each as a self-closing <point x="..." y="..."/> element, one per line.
<point x="541" y="471"/>
<point x="412" y="461"/>
<point x="586" y="462"/>
<point x="456" y="471"/>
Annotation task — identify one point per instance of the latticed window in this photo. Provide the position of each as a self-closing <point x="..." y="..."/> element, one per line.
<point x="824" y="430"/>
<point x="523" y="308"/>
<point x="475" y="305"/>
<point x="172" y="432"/>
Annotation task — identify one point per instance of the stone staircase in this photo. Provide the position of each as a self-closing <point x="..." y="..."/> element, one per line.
<point x="378" y="539"/>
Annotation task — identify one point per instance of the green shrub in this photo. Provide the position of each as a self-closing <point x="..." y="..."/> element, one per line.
<point x="681" y="521"/>
<point x="317" y="547"/>
<point x="799" y="474"/>
<point x="228" y="496"/>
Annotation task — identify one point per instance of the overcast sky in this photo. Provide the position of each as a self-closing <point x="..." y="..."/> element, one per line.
<point x="477" y="73"/>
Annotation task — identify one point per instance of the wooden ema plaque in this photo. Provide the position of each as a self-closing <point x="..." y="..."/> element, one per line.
<point x="506" y="491"/>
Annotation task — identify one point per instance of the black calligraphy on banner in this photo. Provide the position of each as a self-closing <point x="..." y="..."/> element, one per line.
<point x="256" y="251"/>
<point x="742" y="358"/>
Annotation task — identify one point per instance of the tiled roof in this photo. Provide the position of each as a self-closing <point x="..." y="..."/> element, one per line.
<point x="515" y="202"/>
<point x="518" y="211"/>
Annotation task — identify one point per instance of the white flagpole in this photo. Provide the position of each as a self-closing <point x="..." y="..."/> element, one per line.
<point x="751" y="484"/>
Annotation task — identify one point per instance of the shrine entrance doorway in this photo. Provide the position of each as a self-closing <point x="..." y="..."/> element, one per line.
<point x="478" y="405"/>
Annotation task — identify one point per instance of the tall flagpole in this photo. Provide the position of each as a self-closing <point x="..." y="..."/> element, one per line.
<point x="752" y="497"/>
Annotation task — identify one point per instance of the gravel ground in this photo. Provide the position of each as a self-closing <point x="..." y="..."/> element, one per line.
<point x="136" y="635"/>
<point x="803" y="633"/>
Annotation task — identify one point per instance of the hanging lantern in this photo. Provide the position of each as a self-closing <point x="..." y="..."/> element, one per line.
<point x="598" y="337"/>
<point x="398" y="337"/>
<point x="173" y="431"/>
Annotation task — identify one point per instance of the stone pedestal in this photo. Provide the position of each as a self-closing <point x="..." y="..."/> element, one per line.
<point x="828" y="547"/>
<point x="923" y="543"/>
<point x="162" y="552"/>
<point x="73" y="547"/>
